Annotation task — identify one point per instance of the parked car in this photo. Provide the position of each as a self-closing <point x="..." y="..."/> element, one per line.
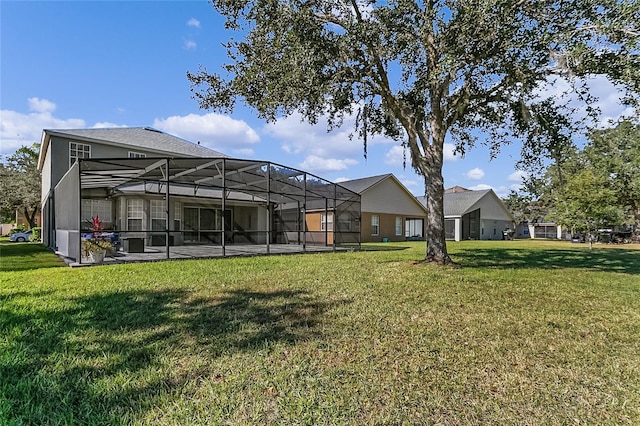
<point x="21" y="236"/>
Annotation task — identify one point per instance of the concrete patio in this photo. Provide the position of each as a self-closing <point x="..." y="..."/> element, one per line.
<point x="154" y="254"/>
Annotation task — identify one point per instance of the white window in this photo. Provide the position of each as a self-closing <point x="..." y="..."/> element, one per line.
<point x="344" y="222"/>
<point x="133" y="154"/>
<point x="326" y="221"/>
<point x="135" y="212"/>
<point x="375" y="224"/>
<point x="99" y="208"/>
<point x="158" y="215"/>
<point x="177" y="216"/>
<point x="78" y="150"/>
<point x="398" y="225"/>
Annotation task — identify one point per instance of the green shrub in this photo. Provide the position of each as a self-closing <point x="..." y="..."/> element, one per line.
<point x="37" y="234"/>
<point x="19" y="228"/>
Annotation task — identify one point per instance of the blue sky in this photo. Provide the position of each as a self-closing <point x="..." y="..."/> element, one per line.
<point x="82" y="64"/>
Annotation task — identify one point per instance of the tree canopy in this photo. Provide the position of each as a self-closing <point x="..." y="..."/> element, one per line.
<point x="420" y="72"/>
<point x="594" y="187"/>
<point x="20" y="183"/>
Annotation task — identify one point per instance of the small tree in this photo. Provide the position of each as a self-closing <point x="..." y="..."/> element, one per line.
<point x="20" y="183"/>
<point x="422" y="71"/>
<point x="615" y="153"/>
<point x="587" y="203"/>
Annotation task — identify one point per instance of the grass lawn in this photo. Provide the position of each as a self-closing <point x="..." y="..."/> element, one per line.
<point x="524" y="333"/>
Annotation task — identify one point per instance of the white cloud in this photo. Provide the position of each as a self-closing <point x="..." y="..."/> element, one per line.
<point x="244" y="152"/>
<point x="501" y="191"/>
<point x="475" y="174"/>
<point x="609" y="98"/>
<point x="314" y="163"/>
<point x="213" y="130"/>
<point x="449" y="155"/>
<point x="396" y="156"/>
<point x="341" y="179"/>
<point x="190" y="44"/>
<point x="409" y="183"/>
<point x="193" y="22"/>
<point x="517" y="176"/>
<point x="41" y="105"/>
<point x="107" y="125"/>
<point x="480" y="187"/>
<point x="18" y="129"/>
<point x="298" y="137"/>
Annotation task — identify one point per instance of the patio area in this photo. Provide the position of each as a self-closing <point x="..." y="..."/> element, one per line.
<point x="182" y="208"/>
<point x="154" y="254"/>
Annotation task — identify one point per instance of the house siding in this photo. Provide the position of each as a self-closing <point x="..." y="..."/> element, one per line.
<point x="387" y="227"/>
<point x="388" y="197"/>
<point x="315" y="233"/>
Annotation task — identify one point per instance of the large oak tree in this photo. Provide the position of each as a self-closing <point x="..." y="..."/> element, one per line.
<point x="20" y="183"/>
<point x="423" y="71"/>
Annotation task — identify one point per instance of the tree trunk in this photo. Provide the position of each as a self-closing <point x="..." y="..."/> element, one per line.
<point x="436" y="243"/>
<point x="31" y="218"/>
<point x="431" y="169"/>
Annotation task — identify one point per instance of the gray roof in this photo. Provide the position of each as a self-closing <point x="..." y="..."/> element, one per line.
<point x="143" y="138"/>
<point x="360" y="185"/>
<point x="459" y="203"/>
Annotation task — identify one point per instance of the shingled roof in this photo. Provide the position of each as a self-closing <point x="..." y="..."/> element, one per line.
<point x="145" y="138"/>
<point x="362" y="184"/>
<point x="459" y="203"/>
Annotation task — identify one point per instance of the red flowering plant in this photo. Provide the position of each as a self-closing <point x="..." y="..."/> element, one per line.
<point x="95" y="243"/>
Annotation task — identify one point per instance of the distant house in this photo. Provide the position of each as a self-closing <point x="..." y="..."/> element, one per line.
<point x="474" y="215"/>
<point x="390" y="212"/>
<point x="162" y="197"/>
<point x="540" y="229"/>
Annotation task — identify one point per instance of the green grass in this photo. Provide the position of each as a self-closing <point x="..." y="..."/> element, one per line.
<point x="523" y="333"/>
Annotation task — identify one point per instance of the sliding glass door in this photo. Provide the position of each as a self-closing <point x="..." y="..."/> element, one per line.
<point x="203" y="225"/>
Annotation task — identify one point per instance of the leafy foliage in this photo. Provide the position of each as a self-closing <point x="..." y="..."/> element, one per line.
<point x="419" y="72"/>
<point x="595" y="187"/>
<point x="20" y="183"/>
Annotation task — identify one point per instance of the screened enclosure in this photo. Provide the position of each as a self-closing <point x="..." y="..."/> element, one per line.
<point x="169" y="208"/>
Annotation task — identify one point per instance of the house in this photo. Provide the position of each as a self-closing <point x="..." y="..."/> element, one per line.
<point x="389" y="211"/>
<point x="474" y="215"/>
<point x="541" y="229"/>
<point x="165" y="197"/>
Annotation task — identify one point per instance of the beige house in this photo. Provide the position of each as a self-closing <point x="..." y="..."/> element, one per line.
<point x="389" y="211"/>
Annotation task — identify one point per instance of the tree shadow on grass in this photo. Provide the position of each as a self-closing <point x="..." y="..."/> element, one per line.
<point x="605" y="260"/>
<point x="104" y="359"/>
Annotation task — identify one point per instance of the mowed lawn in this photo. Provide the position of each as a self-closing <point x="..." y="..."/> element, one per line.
<point x="523" y="333"/>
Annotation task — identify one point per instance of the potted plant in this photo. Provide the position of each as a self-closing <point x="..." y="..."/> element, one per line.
<point x="95" y="248"/>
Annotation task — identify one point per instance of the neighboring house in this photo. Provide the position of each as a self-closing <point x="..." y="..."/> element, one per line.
<point x="389" y="211"/>
<point x="541" y="229"/>
<point x="474" y="215"/>
<point x="153" y="191"/>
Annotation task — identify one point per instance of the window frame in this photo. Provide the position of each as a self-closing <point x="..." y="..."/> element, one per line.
<point x="326" y="222"/>
<point x="399" y="231"/>
<point x="78" y="147"/>
<point x="139" y="203"/>
<point x="135" y="154"/>
<point x="158" y="213"/>
<point x="375" y="224"/>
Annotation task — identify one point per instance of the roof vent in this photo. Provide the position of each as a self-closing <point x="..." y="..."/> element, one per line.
<point x="151" y="129"/>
